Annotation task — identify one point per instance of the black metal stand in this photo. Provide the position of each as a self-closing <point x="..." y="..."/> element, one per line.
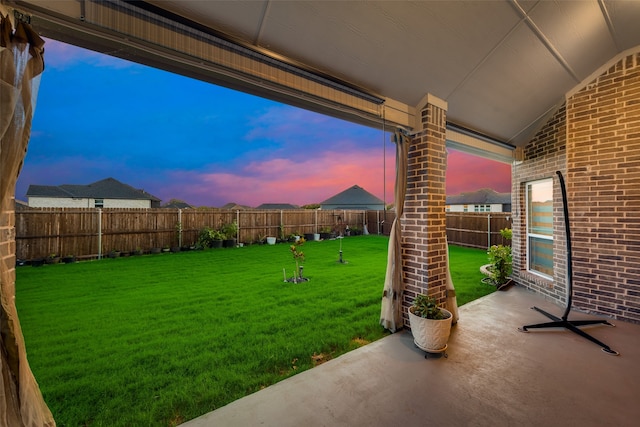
<point x="564" y="322"/>
<point x="340" y="260"/>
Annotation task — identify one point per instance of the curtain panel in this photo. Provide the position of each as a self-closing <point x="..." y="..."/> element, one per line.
<point x="391" y="310"/>
<point x="21" y="63"/>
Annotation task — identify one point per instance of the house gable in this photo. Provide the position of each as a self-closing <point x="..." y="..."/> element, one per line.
<point x="593" y="140"/>
<point x="107" y="193"/>
<point x="354" y="197"/>
<point x="483" y="200"/>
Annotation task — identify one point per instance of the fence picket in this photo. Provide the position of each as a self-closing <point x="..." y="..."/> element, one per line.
<point x="84" y="232"/>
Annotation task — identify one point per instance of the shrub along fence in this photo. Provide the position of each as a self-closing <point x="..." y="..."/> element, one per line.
<point x="92" y="233"/>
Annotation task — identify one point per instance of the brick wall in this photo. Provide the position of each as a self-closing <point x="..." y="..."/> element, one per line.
<point x="424" y="224"/>
<point x="594" y="139"/>
<point x="543" y="156"/>
<point x="7" y="245"/>
<point x="603" y="178"/>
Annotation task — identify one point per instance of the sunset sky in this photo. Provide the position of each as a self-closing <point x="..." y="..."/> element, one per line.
<point x="175" y="137"/>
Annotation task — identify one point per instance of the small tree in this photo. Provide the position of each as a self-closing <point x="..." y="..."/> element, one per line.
<point x="298" y="256"/>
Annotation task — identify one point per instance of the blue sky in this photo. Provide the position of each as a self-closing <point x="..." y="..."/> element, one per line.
<point x="175" y="137"/>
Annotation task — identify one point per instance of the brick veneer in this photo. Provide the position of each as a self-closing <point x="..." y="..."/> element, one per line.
<point x="603" y="167"/>
<point x="7" y="243"/>
<point x="595" y="140"/>
<point x="424" y="223"/>
<point x="543" y="156"/>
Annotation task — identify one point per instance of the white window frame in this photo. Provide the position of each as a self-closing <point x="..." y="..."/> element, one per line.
<point x="529" y="234"/>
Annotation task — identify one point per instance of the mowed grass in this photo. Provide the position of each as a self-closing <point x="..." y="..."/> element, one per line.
<point x="158" y="340"/>
<point x="464" y="265"/>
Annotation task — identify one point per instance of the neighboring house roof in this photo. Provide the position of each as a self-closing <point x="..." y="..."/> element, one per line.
<point x="177" y="204"/>
<point x="235" y="206"/>
<point x="353" y="196"/>
<point x="19" y="204"/>
<point x="485" y="196"/>
<point x="108" y="188"/>
<point x="280" y="206"/>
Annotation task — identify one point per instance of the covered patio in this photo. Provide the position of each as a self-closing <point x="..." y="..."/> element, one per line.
<point x="544" y="86"/>
<point x="493" y="375"/>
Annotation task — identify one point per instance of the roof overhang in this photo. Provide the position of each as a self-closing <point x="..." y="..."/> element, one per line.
<point x="501" y="67"/>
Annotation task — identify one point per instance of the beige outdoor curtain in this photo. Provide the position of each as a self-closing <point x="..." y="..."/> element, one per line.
<point x="452" y="302"/>
<point x="21" y="63"/>
<point x="391" y="311"/>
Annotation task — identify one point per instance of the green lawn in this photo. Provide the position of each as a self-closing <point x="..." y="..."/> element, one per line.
<point x="464" y="264"/>
<point x="157" y="340"/>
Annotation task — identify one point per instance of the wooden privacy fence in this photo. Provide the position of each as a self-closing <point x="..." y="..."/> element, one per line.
<point x="91" y="233"/>
<point x="471" y="229"/>
<point x="477" y="229"/>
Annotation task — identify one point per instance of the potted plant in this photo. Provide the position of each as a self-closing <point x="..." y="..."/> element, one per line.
<point x="325" y="232"/>
<point x="430" y="324"/>
<point x="52" y="259"/>
<point x="293" y="237"/>
<point x="114" y="253"/>
<point x="37" y="262"/>
<point x="230" y="231"/>
<point x="69" y="259"/>
<point x="500" y="263"/>
<point x="209" y="238"/>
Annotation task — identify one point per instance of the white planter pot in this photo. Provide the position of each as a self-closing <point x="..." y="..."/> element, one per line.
<point x="271" y="240"/>
<point x="428" y="334"/>
<point x="316" y="236"/>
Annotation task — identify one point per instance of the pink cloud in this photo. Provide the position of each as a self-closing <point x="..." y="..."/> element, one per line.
<point x="313" y="180"/>
<point x="466" y="172"/>
<point x="284" y="181"/>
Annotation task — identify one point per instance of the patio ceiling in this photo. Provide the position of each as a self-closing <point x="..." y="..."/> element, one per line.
<point x="501" y="66"/>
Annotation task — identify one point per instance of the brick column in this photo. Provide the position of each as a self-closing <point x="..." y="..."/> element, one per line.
<point x="7" y="244"/>
<point x="424" y="224"/>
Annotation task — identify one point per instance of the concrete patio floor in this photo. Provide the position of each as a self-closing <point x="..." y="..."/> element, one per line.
<point x="494" y="375"/>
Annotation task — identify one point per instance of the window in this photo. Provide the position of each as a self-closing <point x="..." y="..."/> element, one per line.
<point x="465" y="208"/>
<point x="540" y="227"/>
<point x="98" y="203"/>
<point x="482" y="208"/>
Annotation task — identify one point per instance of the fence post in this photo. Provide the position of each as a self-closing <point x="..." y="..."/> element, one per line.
<point x="238" y="224"/>
<point x="180" y="228"/>
<point x="488" y="231"/>
<point x="99" y="233"/>
<point x="364" y="222"/>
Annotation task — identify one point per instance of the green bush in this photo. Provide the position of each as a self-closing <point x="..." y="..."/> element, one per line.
<point x="208" y="235"/>
<point x="500" y="258"/>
